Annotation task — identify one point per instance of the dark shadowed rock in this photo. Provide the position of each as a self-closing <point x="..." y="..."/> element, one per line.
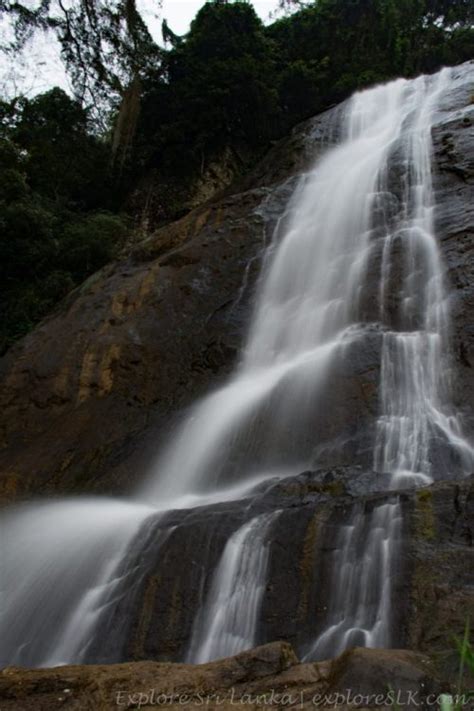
<point x="441" y="578"/>
<point x="411" y="677"/>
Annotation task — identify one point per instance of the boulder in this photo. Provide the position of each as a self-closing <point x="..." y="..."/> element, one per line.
<point x="266" y="677"/>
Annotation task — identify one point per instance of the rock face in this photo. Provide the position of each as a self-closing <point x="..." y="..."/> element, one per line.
<point x="440" y="571"/>
<point x="88" y="390"/>
<point x="158" y="199"/>
<point x="453" y="140"/>
<point x="267" y="677"/>
<point x="88" y="396"/>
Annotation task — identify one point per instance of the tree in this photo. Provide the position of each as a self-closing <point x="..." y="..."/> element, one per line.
<point x="217" y="89"/>
<point x="169" y="37"/>
<point x="54" y="191"/>
<point x="105" y="44"/>
<point x="62" y="159"/>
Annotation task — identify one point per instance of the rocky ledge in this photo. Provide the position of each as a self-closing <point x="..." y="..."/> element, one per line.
<point x="270" y="676"/>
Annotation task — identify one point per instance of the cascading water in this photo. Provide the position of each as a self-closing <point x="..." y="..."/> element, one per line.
<point x="366" y="208"/>
<point x="227" y="622"/>
<point x="362" y="567"/>
<point x="60" y="569"/>
<point x="411" y="383"/>
<point x="312" y="309"/>
<point x="416" y="417"/>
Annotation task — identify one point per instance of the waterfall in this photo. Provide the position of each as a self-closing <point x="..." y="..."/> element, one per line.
<point x="227" y="622"/>
<point x="315" y="306"/>
<point x="362" y="567"/>
<point x="60" y="570"/>
<point x="354" y="265"/>
<point x="416" y="416"/>
<point x="369" y="202"/>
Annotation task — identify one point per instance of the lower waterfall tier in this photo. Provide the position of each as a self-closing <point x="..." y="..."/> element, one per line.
<point x="174" y="561"/>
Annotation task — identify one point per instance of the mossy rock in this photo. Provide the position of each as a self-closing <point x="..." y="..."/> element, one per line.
<point x="425" y="526"/>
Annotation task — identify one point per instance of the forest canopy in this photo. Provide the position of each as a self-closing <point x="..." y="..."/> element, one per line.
<point x="70" y="166"/>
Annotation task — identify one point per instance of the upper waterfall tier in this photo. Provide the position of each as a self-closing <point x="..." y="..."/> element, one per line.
<point x="89" y="397"/>
<point x="356" y="248"/>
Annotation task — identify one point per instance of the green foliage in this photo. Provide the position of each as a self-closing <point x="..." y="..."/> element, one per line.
<point x="54" y="177"/>
<point x="462" y="698"/>
<point x="88" y="243"/>
<point x="234" y="82"/>
<point x="466" y="655"/>
<point x="62" y="159"/>
<point x="218" y="88"/>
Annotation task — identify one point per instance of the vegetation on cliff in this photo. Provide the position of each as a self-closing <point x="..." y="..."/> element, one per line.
<point x="69" y="166"/>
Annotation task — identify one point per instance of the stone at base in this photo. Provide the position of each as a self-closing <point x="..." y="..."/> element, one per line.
<point x="269" y="676"/>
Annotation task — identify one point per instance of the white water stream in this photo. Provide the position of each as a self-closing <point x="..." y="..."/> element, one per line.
<point x="362" y="567"/>
<point x="227" y="621"/>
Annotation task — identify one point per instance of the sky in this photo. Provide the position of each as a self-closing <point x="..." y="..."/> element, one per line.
<point x="179" y="13"/>
<point x="41" y="67"/>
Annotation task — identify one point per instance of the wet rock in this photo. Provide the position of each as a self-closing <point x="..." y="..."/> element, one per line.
<point x="440" y="570"/>
<point x="453" y="182"/>
<point x="84" y="395"/>
<point x="87" y="398"/>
